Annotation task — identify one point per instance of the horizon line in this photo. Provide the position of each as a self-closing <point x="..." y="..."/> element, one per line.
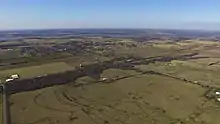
<point x="44" y="29"/>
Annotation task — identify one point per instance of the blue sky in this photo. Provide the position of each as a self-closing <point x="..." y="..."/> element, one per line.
<point x="181" y="14"/>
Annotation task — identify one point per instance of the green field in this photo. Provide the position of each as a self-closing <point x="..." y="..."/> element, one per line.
<point x="117" y="73"/>
<point x="174" y="94"/>
<point x="194" y="70"/>
<point x="142" y="99"/>
<point x="34" y="71"/>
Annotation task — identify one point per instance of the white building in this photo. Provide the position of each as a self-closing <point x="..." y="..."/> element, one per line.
<point x="195" y="82"/>
<point x="80" y="65"/>
<point x="14" y="76"/>
<point x="104" y="79"/>
<point x="217" y="93"/>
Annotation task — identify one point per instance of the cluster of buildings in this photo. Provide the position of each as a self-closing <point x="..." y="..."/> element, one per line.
<point x="12" y="77"/>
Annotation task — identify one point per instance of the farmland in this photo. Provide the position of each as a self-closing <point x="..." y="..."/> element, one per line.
<point x="150" y="98"/>
<point x="34" y="71"/>
<point x="155" y="82"/>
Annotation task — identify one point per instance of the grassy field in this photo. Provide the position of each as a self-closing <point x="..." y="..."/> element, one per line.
<point x="137" y="99"/>
<point x="143" y="99"/>
<point x="194" y="70"/>
<point x="143" y="51"/>
<point x="117" y="73"/>
<point x="33" y="71"/>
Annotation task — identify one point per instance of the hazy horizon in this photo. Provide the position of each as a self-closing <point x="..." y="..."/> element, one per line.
<point x="110" y="14"/>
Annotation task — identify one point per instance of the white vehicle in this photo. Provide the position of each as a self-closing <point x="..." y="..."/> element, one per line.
<point x="7" y="80"/>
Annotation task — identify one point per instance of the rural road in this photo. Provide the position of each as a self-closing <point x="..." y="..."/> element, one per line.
<point x="6" y="106"/>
